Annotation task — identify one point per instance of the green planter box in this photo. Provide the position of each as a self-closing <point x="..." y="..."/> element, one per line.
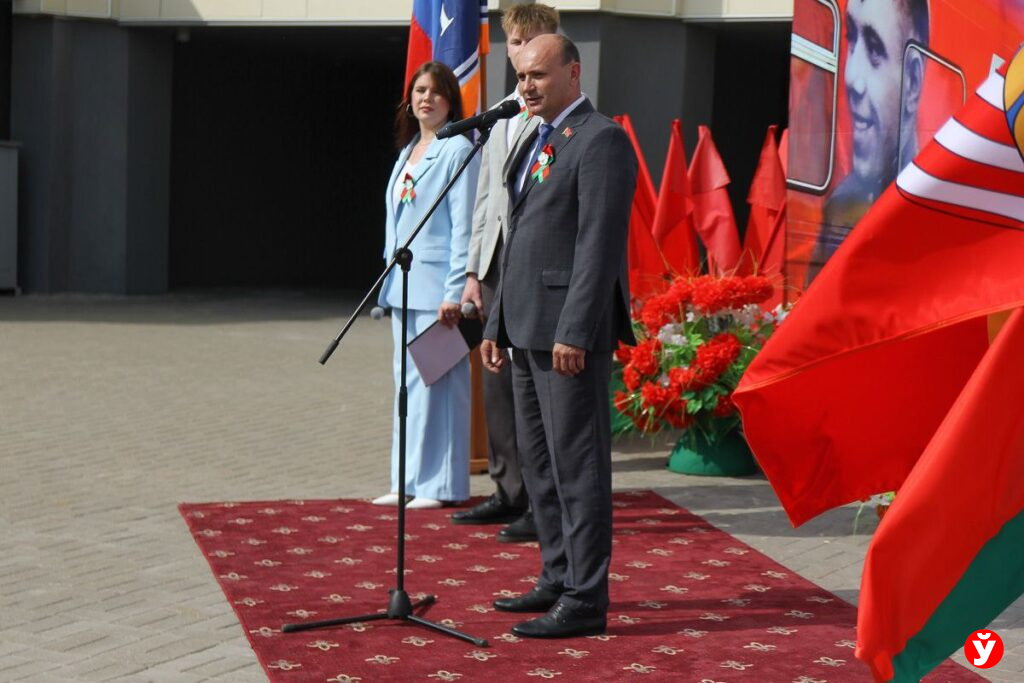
<point x="729" y="456"/>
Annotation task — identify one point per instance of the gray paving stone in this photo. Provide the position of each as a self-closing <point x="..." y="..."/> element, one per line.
<point x="101" y="668"/>
<point x="114" y="410"/>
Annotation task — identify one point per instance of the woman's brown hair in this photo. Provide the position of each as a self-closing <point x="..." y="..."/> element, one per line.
<point x="406" y="125"/>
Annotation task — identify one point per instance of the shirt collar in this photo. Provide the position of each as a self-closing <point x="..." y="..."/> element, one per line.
<point x="568" y="110"/>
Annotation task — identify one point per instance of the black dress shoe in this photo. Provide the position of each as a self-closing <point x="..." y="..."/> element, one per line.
<point x="537" y="600"/>
<point x="491" y="511"/>
<point x="563" y="621"/>
<point x="520" y="531"/>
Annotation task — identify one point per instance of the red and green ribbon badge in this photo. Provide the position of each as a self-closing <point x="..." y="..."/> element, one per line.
<point x="567" y="132"/>
<point x="524" y="113"/>
<point x="408" y="193"/>
<point x="540" y="170"/>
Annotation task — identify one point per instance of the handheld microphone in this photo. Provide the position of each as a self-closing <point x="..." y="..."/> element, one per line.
<point x="505" y="110"/>
<point x="469" y="309"/>
<point x="376" y="312"/>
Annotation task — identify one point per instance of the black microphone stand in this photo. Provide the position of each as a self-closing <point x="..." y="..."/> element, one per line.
<point x="400" y="606"/>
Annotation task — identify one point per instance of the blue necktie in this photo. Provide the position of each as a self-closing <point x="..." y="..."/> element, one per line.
<point x="545" y="132"/>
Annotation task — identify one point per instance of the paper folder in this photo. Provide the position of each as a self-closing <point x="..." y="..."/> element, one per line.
<point x="439" y="348"/>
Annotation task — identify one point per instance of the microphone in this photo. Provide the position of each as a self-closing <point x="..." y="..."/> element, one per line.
<point x="505" y="110"/>
<point x="376" y="312"/>
<point x="469" y="309"/>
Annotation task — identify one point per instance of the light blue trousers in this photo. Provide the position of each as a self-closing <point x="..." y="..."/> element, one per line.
<point x="437" y="431"/>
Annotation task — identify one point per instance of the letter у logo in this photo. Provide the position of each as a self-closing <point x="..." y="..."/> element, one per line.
<point x="983" y="649"/>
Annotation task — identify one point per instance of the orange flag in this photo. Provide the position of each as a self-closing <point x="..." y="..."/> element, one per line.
<point x="763" y="243"/>
<point x="712" y="211"/>
<point x="647" y="268"/>
<point x="673" y="224"/>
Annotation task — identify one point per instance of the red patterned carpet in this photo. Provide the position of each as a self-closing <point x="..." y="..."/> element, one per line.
<point x="689" y="602"/>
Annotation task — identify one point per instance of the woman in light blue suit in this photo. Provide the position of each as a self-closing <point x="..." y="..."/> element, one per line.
<point x="437" y="436"/>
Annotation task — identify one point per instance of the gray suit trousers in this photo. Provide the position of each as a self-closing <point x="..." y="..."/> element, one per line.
<point x="500" y="412"/>
<point x="564" y="433"/>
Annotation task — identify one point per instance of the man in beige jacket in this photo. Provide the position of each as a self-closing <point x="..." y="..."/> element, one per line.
<point x="521" y="23"/>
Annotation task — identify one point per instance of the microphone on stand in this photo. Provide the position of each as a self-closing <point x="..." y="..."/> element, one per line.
<point x="377" y="312"/>
<point x="505" y="110"/>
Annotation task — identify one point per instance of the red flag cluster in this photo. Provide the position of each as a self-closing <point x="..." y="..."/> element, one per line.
<point x="886" y="377"/>
<point x="693" y="203"/>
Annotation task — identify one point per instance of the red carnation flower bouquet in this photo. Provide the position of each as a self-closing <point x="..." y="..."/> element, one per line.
<point x="694" y="341"/>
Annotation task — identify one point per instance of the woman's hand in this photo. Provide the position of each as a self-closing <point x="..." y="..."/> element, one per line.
<point x="449" y="314"/>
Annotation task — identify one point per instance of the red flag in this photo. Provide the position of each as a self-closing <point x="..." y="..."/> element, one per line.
<point x="673" y="225"/>
<point x="646" y="266"/>
<point x="883" y="379"/>
<point x="784" y="152"/>
<point x="712" y="211"/>
<point x="844" y="398"/>
<point x="947" y="560"/>
<point x="763" y="243"/>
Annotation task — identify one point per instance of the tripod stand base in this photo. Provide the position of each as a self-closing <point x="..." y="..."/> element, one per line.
<point x="399" y="607"/>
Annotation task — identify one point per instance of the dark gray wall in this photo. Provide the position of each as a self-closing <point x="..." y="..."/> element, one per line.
<point x="38" y="99"/>
<point x="97" y="151"/>
<point x="148" y="167"/>
<point x="8" y="216"/>
<point x="91" y="109"/>
<point x="586" y="31"/>
<point x="6" y="19"/>
<point x="655" y="71"/>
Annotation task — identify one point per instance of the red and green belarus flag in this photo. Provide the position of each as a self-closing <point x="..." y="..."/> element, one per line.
<point x="889" y="376"/>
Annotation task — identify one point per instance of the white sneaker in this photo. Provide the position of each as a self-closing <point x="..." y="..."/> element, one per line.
<point x="423" y="504"/>
<point x="386" y="499"/>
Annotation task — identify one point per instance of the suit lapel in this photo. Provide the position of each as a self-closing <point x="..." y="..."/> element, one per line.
<point x="560" y="138"/>
<point x="515" y="159"/>
<point x="429" y="157"/>
<point x="399" y="165"/>
<point x="423" y="167"/>
<point x="524" y="129"/>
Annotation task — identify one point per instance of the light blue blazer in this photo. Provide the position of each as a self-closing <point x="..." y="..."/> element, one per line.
<point x="438" y="271"/>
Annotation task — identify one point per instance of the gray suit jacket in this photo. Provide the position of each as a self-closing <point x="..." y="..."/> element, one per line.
<point x="564" y="273"/>
<point x="491" y="210"/>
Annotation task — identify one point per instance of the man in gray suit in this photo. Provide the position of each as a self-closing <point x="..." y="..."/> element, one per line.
<point x="562" y="306"/>
<point x="521" y="23"/>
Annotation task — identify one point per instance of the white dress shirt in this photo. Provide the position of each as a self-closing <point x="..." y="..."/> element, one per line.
<point x="400" y="184"/>
<point x="525" y="170"/>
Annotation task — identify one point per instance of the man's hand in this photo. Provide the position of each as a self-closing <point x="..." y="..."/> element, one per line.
<point x="471" y="293"/>
<point x="493" y="358"/>
<point x="449" y="313"/>
<point x="567" y="360"/>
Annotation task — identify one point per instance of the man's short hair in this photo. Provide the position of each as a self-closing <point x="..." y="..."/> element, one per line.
<point x="917" y="12"/>
<point x="570" y="53"/>
<point x="529" y="18"/>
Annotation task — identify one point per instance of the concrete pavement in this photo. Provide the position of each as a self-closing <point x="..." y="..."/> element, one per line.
<point x="114" y="410"/>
